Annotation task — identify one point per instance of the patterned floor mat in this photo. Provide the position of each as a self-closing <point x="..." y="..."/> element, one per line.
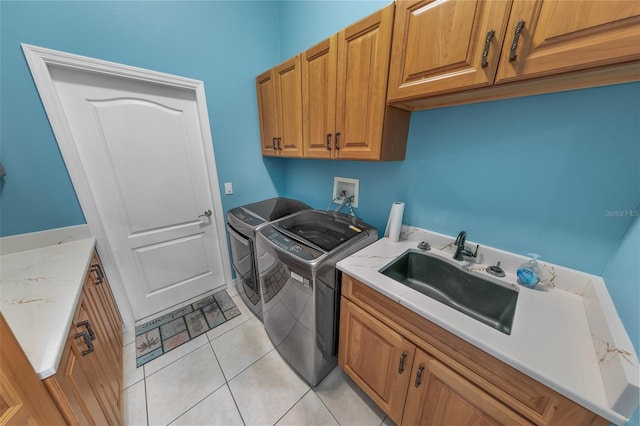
<point x="168" y="331"/>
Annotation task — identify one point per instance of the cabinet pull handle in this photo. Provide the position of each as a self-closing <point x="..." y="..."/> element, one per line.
<point x="401" y="364"/>
<point x="87" y="325"/>
<point x="337" y="140"/>
<point x="99" y="274"/>
<point x="516" y="37"/>
<point x="273" y="142"/>
<point x="419" y="375"/>
<point x="87" y="341"/>
<point x="328" y="141"/>
<point x="278" y="141"/>
<point x="487" y="43"/>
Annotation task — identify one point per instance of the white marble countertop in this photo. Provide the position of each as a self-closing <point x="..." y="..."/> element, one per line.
<point x="41" y="279"/>
<point x="551" y="339"/>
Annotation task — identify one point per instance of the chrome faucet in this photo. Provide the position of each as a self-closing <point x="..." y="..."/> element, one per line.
<point x="461" y="250"/>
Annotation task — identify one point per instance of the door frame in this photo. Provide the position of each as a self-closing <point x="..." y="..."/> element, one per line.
<point x="39" y="59"/>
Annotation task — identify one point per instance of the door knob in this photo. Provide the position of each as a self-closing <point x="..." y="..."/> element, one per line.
<point x="207" y="213"/>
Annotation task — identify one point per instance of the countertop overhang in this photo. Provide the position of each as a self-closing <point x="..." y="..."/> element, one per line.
<point x="567" y="336"/>
<point x="41" y="280"/>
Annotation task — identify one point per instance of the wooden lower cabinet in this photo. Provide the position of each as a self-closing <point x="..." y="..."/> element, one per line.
<point x="23" y="398"/>
<point x="87" y="386"/>
<point x="411" y="386"/>
<point x="439" y="396"/>
<point x="420" y="374"/>
<point x="377" y="358"/>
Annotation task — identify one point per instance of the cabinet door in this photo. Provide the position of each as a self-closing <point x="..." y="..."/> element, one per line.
<point x="377" y="358"/>
<point x="106" y="372"/>
<point x="363" y="68"/>
<point x="98" y="279"/>
<point x="268" y="112"/>
<point x="107" y="356"/>
<point x="289" y="99"/>
<point x="439" y="396"/>
<point x="319" y="99"/>
<point x="445" y="46"/>
<point x="557" y="36"/>
<point x="23" y="398"/>
<point x="76" y="385"/>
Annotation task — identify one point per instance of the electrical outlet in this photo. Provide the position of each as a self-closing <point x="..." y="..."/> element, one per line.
<point x="347" y="186"/>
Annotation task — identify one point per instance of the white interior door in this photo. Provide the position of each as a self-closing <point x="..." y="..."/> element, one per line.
<point x="143" y="148"/>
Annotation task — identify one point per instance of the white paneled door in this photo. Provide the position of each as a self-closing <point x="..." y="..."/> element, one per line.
<point x="143" y="151"/>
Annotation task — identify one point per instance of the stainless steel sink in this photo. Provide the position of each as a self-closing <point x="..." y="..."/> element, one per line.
<point x="447" y="283"/>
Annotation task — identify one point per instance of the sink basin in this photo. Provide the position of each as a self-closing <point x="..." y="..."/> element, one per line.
<point x="479" y="298"/>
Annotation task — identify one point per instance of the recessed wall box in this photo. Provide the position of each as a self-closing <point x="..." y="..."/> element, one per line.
<point x="350" y="187"/>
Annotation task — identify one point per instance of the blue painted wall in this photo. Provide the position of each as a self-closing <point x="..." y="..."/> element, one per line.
<point x="622" y="276"/>
<point x="225" y="44"/>
<point x="532" y="174"/>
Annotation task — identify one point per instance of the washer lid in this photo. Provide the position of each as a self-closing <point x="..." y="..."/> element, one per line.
<point x="275" y="208"/>
<point x="325" y="230"/>
<point x="260" y="212"/>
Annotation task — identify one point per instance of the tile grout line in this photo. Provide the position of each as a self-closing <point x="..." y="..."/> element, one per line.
<point x="146" y="403"/>
<point x="226" y="383"/>
<point x="325" y="405"/>
<point x="172" y="362"/>
<point x="244" y="369"/>
<point x="207" y="396"/>
<point x="194" y="405"/>
<point x="294" y="404"/>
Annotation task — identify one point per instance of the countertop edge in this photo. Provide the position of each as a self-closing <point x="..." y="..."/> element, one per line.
<point x="598" y="407"/>
<point x="39" y="239"/>
<point x="55" y="363"/>
<point x="44" y="348"/>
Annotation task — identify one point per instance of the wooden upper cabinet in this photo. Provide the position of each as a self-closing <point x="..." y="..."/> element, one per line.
<point x="450" y="52"/>
<point x="268" y="112"/>
<point x="280" y="109"/>
<point x="441" y="46"/>
<point x="319" y="69"/>
<point x="289" y="97"/>
<point x="344" y="91"/>
<point x="366" y="128"/>
<point x="559" y="36"/>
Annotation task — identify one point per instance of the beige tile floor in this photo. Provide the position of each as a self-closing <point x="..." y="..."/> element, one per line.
<point x="234" y="376"/>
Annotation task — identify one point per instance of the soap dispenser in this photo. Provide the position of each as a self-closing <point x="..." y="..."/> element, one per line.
<point x="529" y="273"/>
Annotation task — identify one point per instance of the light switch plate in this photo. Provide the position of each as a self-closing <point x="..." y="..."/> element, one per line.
<point x="351" y="186"/>
<point x="228" y="188"/>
